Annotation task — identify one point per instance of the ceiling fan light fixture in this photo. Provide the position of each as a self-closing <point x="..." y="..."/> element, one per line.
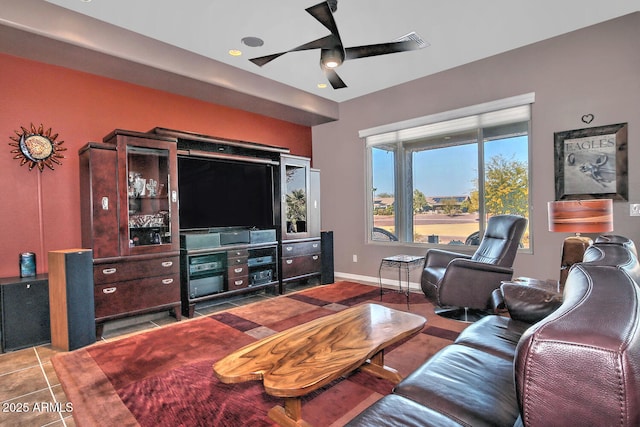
<point x="331" y="58"/>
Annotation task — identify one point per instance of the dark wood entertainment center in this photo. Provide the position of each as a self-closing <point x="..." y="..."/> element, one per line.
<point x="148" y="258"/>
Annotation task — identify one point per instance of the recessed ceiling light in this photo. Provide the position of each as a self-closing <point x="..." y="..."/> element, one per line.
<point x="85" y="1"/>
<point x="322" y="85"/>
<point x="235" y="52"/>
<point x="252" y="41"/>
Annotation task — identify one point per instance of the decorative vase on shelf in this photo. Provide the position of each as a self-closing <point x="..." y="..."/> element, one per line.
<point x="140" y="186"/>
<point x="152" y="186"/>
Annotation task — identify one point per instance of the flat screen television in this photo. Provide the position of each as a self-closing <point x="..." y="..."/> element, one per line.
<point x="221" y="193"/>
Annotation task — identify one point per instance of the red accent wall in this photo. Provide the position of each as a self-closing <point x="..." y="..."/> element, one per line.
<point x="40" y="212"/>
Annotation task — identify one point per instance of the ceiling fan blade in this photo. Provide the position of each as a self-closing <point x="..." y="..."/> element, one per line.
<point x="322" y="13"/>
<point x="263" y="60"/>
<point x="334" y="79"/>
<point x="322" y="43"/>
<point x="381" y="49"/>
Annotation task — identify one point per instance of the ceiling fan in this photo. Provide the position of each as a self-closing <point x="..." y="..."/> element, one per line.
<point x="332" y="51"/>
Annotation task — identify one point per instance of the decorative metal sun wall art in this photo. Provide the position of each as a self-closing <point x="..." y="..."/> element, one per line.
<point x="37" y="148"/>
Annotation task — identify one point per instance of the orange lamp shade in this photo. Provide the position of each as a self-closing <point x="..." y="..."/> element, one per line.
<point x="581" y="216"/>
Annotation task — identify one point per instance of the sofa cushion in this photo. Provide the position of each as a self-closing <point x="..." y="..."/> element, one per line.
<point x="394" y="410"/>
<point x="494" y="334"/>
<point x="470" y="386"/>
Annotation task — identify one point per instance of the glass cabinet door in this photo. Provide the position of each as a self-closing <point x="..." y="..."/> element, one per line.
<point x="149" y="197"/>
<point x="295" y="193"/>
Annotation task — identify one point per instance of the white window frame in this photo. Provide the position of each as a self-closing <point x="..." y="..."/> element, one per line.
<point x="507" y="110"/>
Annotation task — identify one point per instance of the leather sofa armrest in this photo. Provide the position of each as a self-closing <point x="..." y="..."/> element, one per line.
<point x="529" y="304"/>
<point x="497" y="301"/>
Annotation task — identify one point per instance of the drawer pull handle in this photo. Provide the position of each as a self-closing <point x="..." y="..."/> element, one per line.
<point x="315" y="245"/>
<point x="288" y="248"/>
<point x="109" y="290"/>
<point x="289" y="261"/>
<point x="238" y="270"/>
<point x="315" y="257"/>
<point x="167" y="281"/>
<point x="238" y="282"/>
<point x="109" y="270"/>
<point x="167" y="263"/>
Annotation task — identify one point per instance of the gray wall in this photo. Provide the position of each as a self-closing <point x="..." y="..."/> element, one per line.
<point x="594" y="70"/>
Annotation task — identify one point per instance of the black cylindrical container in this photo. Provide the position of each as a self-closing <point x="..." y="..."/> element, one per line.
<point x="27" y="262"/>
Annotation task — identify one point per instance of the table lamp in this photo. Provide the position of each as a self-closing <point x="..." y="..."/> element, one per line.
<point x="578" y="216"/>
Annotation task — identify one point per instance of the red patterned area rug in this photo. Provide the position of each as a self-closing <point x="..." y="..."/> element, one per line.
<point x="164" y="377"/>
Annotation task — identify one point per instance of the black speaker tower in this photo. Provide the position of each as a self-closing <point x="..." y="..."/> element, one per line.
<point x="326" y="254"/>
<point x="71" y="300"/>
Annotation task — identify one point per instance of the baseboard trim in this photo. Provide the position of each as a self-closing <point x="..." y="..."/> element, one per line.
<point x="375" y="281"/>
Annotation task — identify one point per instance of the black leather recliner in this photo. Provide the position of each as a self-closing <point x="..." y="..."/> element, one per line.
<point x="458" y="283"/>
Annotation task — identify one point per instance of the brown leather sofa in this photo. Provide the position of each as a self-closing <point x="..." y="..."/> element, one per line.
<point x="579" y="365"/>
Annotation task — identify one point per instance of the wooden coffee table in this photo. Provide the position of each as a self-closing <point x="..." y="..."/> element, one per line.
<point x="307" y="357"/>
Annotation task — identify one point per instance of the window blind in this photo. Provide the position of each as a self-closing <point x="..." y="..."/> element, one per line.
<point x="493" y="113"/>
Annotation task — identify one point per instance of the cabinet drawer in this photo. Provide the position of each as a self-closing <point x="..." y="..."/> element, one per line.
<point x="301" y="266"/>
<point x="238" y="253"/>
<point x="237" y="261"/>
<point x="124" y="297"/>
<point x="237" y="283"/>
<point x="300" y="248"/>
<point x="237" y="271"/>
<point x="129" y="270"/>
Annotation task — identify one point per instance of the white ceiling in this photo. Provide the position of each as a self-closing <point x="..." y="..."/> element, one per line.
<point x="458" y="32"/>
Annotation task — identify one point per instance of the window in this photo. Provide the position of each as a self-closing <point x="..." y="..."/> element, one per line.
<point x="439" y="181"/>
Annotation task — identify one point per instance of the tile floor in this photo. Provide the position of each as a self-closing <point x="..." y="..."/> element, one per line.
<point x="30" y="393"/>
